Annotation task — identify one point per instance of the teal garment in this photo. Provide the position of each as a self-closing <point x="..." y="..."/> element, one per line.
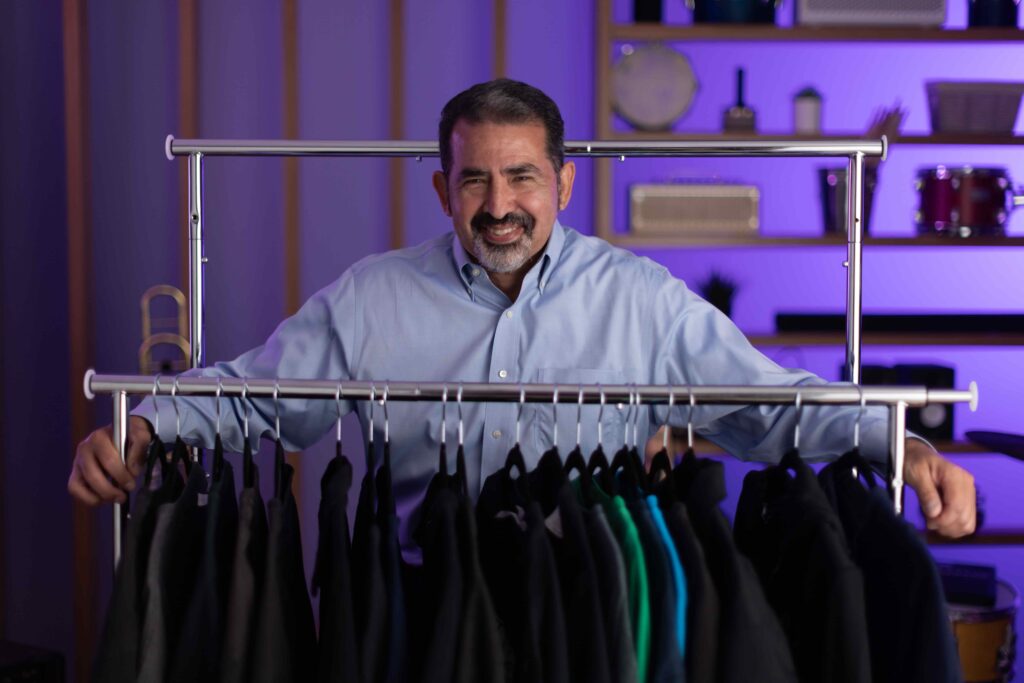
<point x="678" y="573"/>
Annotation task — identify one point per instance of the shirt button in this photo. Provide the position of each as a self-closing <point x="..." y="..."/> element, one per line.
<point x="476" y="272"/>
<point x="503" y="373"/>
<point x="508" y="314"/>
<point x="496" y="433"/>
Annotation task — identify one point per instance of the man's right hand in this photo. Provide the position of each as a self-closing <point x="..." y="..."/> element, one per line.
<point x="98" y="475"/>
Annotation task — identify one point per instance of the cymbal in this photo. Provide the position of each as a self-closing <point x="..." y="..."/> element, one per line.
<point x="1000" y="442"/>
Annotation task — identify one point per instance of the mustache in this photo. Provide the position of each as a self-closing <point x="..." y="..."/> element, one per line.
<point x="484" y="221"/>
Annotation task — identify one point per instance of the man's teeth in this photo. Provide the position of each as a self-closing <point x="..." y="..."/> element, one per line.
<point x="502" y="231"/>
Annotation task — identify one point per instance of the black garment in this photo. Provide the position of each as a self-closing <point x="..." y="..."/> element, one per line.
<point x="908" y="626"/>
<point x="751" y="643"/>
<point x="701" y="597"/>
<point x="577" y="575"/>
<point x="391" y="563"/>
<point x="438" y="586"/>
<point x="117" y="656"/>
<point x="369" y="594"/>
<point x="248" y="568"/>
<point x="614" y="602"/>
<point x="198" y="654"/>
<point x="665" y="664"/>
<point x="285" y="634"/>
<point x="520" y="571"/>
<point x="480" y="656"/>
<point x="338" y="659"/>
<point x="786" y="527"/>
<point x="171" y="576"/>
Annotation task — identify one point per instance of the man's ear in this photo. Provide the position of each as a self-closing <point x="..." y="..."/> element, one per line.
<point x="441" y="188"/>
<point x="566" y="177"/>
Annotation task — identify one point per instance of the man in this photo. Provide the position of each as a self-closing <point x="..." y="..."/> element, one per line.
<point x="514" y="297"/>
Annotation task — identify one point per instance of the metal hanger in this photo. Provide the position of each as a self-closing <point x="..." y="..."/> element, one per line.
<point x="575" y="461"/>
<point x="279" y="492"/>
<point x="442" y="461"/>
<point x="218" y="445"/>
<point x="180" y="451"/>
<point x="799" y="415"/>
<point x="155" y="453"/>
<point x="337" y="403"/>
<point x="689" y="419"/>
<point x="248" y="468"/>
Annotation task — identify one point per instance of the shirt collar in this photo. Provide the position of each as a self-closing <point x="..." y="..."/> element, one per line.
<point x="470" y="272"/>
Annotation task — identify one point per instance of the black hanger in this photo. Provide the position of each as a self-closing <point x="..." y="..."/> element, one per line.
<point x="575" y="460"/>
<point x="514" y="460"/>
<point x="218" y="445"/>
<point x="661" y="469"/>
<point x="155" y="454"/>
<point x="248" y="468"/>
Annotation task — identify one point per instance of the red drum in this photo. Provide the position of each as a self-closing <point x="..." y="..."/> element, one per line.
<point x="963" y="202"/>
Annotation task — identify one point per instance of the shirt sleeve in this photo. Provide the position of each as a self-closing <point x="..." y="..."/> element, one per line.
<point x="318" y="342"/>
<point x="702" y="346"/>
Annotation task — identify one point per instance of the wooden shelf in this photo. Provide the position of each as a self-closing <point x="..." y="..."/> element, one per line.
<point x="887" y="339"/>
<point x="680" y="241"/>
<point x="917" y="139"/>
<point x="982" y="537"/>
<point x="961" y="448"/>
<point x="824" y="34"/>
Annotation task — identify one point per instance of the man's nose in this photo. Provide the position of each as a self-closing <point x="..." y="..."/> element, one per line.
<point x="500" y="199"/>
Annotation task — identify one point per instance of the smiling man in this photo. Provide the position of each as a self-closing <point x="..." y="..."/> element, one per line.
<point x="515" y="297"/>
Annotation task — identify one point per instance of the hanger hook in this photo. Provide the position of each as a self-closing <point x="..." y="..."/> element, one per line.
<point x="245" y="406"/>
<point x="444" y="412"/>
<point x="458" y="400"/>
<point x="156" y="407"/>
<point x="220" y="388"/>
<point x="860" y="416"/>
<point x="629" y="415"/>
<point x="668" y="415"/>
<point x="689" y="419"/>
<point x="554" y="407"/>
<point x="636" y="416"/>
<point x="277" y="411"/>
<point x="799" y="414"/>
<point x="579" y="417"/>
<point x="384" y="405"/>
<point x="177" y="411"/>
<point x="373" y="399"/>
<point x="337" y="402"/>
<point x="519" y="415"/>
<point x="600" y="417"/>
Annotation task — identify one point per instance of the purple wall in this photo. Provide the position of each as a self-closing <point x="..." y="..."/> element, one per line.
<point x="345" y="205"/>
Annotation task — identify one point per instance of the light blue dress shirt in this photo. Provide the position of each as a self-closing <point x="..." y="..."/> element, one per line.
<point x="588" y="312"/>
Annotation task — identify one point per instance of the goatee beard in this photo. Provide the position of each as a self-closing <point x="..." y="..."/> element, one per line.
<point x="502" y="258"/>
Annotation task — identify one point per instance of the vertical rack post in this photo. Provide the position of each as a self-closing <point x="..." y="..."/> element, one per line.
<point x="897" y="446"/>
<point x="121" y="439"/>
<point x="855" y="234"/>
<point x="196" y="262"/>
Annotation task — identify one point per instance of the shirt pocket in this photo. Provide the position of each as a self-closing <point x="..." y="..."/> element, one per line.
<point x="612" y="418"/>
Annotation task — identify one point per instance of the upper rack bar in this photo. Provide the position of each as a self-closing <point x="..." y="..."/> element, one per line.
<point x="532" y="393"/>
<point x="575" y="148"/>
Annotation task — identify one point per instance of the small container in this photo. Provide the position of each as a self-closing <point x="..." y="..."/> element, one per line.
<point x="992" y="13"/>
<point x="807" y="112"/>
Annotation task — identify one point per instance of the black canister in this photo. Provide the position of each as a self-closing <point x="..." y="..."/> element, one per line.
<point x="733" y="11"/>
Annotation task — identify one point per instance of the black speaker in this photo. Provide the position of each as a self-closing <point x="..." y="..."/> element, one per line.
<point x="934" y="422"/>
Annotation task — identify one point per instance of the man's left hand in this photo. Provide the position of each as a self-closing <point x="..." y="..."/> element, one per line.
<point x="945" y="491"/>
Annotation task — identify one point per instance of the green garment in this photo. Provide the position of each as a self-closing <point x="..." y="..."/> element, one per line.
<point x="628" y="539"/>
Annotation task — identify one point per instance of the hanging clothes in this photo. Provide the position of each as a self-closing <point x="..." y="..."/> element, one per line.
<point x="614" y="602"/>
<point x="337" y="656"/>
<point x="678" y="573"/>
<point x="285" y="646"/>
<point x="520" y="571"/>
<point x="198" y="654"/>
<point x="785" y="525"/>
<point x="248" y="567"/>
<point x="751" y="643"/>
<point x="391" y="563"/>
<point x="117" y="656"/>
<point x="369" y="594"/>
<point x="908" y="625"/>
<point x="171" y="574"/>
<point x="567" y="536"/>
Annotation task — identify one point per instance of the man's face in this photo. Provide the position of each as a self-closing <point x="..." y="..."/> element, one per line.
<point x="503" y="192"/>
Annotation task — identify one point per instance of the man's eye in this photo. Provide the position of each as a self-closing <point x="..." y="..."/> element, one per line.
<point x="522" y="178"/>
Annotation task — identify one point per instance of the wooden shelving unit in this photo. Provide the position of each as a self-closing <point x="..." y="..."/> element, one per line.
<point x="982" y="537"/>
<point x="914" y="139"/>
<point x="813" y="34"/>
<point x="757" y="241"/>
<point x="887" y="339"/>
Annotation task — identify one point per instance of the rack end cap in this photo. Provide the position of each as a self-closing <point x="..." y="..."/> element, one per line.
<point x="973" y="388"/>
<point x="885" y="147"/>
<point x="167" y="148"/>
<point x="87" y="383"/>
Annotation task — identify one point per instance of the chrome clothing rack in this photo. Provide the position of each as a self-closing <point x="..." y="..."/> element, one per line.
<point x="856" y="150"/>
<point x="898" y="399"/>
